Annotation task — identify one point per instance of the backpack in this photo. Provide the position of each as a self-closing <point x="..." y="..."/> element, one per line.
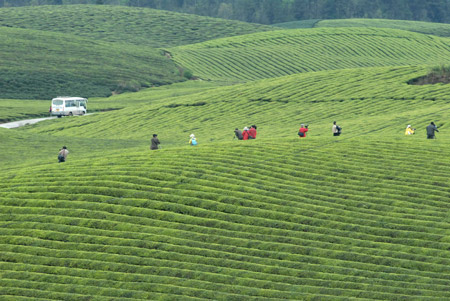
<point x="194" y="141"/>
<point x="301" y="134"/>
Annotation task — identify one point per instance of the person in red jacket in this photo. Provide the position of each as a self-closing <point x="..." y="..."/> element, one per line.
<point x="252" y="132"/>
<point x="245" y="134"/>
<point x="302" y="131"/>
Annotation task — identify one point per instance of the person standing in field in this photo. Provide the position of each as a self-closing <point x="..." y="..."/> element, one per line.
<point x="431" y="129"/>
<point x="252" y="132"/>
<point x="302" y="131"/>
<point x="62" y="155"/>
<point x="154" y="142"/>
<point x="409" y="130"/>
<point x="238" y="134"/>
<point x="336" y="129"/>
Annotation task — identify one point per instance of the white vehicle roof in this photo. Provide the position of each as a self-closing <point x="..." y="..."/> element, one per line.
<point x="69" y="98"/>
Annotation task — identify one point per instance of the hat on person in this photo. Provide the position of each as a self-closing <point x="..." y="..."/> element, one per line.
<point x="408" y="126"/>
<point x="246" y="129"/>
<point x="302" y="124"/>
<point x="192" y="136"/>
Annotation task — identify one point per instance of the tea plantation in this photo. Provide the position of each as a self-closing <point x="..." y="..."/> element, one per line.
<point x="38" y="65"/>
<point x="126" y="25"/>
<point x="437" y="29"/>
<point x="284" y="52"/>
<point x="362" y="216"/>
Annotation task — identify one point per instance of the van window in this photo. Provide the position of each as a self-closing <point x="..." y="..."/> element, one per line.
<point x="57" y="102"/>
<point x="70" y="103"/>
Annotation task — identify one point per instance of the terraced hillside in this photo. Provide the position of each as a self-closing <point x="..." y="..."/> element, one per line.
<point x="131" y="25"/>
<point x="351" y="218"/>
<point x="438" y="29"/>
<point x="278" y="53"/>
<point x="41" y="65"/>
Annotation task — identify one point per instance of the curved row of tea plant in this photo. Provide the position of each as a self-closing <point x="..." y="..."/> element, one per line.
<point x="293" y="221"/>
<point x="283" y="52"/>
<point x="437" y="29"/>
<point x="132" y="25"/>
<point x="42" y="65"/>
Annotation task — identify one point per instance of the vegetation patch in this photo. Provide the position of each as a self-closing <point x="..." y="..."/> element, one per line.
<point x="438" y="75"/>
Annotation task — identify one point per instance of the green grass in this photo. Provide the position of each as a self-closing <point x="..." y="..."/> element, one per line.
<point x="283" y="52"/>
<point x="437" y="29"/>
<point x="131" y="25"/>
<point x="42" y="65"/>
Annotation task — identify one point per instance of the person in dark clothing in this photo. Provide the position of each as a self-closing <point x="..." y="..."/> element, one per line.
<point x="154" y="142"/>
<point x="238" y="134"/>
<point x="62" y="155"/>
<point x="336" y="129"/>
<point x="431" y="129"/>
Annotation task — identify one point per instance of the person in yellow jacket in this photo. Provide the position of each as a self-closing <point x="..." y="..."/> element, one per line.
<point x="409" y="130"/>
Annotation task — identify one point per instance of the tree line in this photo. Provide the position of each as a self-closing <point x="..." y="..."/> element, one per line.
<point x="279" y="11"/>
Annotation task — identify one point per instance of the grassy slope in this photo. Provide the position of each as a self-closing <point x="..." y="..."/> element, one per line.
<point x="363" y="215"/>
<point x="264" y="55"/>
<point x="138" y="26"/>
<point x="297" y="220"/>
<point x="41" y="65"/>
<point x="437" y="29"/>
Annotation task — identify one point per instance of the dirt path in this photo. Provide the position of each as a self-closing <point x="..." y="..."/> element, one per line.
<point x="19" y="123"/>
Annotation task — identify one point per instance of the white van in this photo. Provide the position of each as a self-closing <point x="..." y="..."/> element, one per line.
<point x="69" y="106"/>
